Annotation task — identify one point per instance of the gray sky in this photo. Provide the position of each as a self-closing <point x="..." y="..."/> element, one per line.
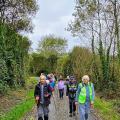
<point x="52" y="18"/>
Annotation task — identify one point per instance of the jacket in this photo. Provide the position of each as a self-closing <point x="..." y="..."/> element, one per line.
<point x="71" y="90"/>
<point x="46" y="91"/>
<point x="61" y="85"/>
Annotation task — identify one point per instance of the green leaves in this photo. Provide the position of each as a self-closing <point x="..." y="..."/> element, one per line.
<point x="79" y="62"/>
<point x="16" y="13"/>
<point x="13" y="57"/>
<point x="51" y="45"/>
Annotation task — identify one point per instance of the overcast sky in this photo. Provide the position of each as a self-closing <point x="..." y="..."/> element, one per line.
<point x="53" y="17"/>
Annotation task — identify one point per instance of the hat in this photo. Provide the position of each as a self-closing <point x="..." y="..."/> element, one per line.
<point x="72" y="77"/>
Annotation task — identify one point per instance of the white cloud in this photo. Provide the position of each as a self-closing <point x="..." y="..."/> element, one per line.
<point x="52" y="18"/>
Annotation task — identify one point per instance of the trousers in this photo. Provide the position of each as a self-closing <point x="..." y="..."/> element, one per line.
<point x="72" y="106"/>
<point x="84" y="110"/>
<point x="42" y="110"/>
<point x="61" y="93"/>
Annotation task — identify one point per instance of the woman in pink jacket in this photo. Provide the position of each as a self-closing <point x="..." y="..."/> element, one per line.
<point x="61" y="88"/>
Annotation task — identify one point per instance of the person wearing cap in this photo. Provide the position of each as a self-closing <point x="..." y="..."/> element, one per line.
<point x="85" y="97"/>
<point x="71" y="89"/>
<point x="42" y="96"/>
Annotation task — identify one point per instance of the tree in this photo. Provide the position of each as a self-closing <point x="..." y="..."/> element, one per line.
<point x="38" y="63"/>
<point x="61" y="63"/>
<point x="16" y="13"/>
<point x="81" y="61"/>
<point x="51" y="45"/>
<point x="14" y="56"/>
<point x="98" y="22"/>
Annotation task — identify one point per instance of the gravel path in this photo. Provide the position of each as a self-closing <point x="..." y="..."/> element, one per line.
<point x="58" y="111"/>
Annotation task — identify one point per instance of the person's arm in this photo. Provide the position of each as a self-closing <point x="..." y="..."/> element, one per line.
<point x="49" y="91"/>
<point x="67" y="90"/>
<point x="93" y="93"/>
<point x="93" y="97"/>
<point x="77" y="93"/>
<point x="36" y="93"/>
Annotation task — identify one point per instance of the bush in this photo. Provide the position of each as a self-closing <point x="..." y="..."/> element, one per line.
<point x="3" y="87"/>
<point x="31" y="82"/>
<point x="14" y="58"/>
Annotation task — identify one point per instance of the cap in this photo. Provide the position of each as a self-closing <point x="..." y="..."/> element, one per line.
<point x="72" y="77"/>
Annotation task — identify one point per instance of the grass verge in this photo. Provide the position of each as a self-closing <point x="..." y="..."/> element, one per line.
<point x="19" y="110"/>
<point x="106" y="109"/>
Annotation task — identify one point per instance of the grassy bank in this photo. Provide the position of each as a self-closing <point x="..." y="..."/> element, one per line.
<point x="106" y="109"/>
<point x="17" y="111"/>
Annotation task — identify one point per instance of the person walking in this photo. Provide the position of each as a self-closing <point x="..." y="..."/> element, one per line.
<point x="51" y="83"/>
<point x="42" y="96"/>
<point x="85" y="97"/>
<point x="71" y="89"/>
<point x="61" y="88"/>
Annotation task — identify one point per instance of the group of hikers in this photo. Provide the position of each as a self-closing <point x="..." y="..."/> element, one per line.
<point x="80" y="95"/>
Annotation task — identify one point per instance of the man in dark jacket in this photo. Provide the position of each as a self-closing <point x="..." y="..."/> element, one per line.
<point x="71" y="94"/>
<point x="42" y="95"/>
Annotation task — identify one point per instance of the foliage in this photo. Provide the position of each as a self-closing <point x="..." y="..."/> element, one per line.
<point x="31" y="82"/>
<point x="67" y="67"/>
<point x="40" y="63"/>
<point x="3" y="87"/>
<point x="98" y="22"/>
<point x="18" y="111"/>
<point x="106" y="109"/>
<point x="52" y="45"/>
<point x="17" y="13"/>
<point x="52" y="63"/>
<point x="61" y="63"/>
<point x="81" y="61"/>
<point x="37" y="63"/>
<point x="13" y="56"/>
<point x="46" y="59"/>
<point x="15" y="16"/>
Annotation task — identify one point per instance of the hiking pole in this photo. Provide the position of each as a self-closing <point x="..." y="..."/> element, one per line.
<point x="54" y="104"/>
<point x="57" y="91"/>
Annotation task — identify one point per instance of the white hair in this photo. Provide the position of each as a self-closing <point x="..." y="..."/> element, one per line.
<point x="43" y="76"/>
<point x="47" y="81"/>
<point x="85" y="77"/>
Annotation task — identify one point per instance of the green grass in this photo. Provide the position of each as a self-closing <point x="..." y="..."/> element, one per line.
<point x="18" y="111"/>
<point x="106" y="109"/>
<point x="21" y="109"/>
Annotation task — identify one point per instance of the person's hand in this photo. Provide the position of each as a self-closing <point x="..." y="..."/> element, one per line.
<point x="37" y="98"/>
<point x="92" y="104"/>
<point x="76" y="103"/>
<point x="46" y="95"/>
<point x="53" y="95"/>
<point x="67" y="97"/>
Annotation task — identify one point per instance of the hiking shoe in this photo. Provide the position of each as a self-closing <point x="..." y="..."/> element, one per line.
<point x="70" y="115"/>
<point x="74" y="114"/>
